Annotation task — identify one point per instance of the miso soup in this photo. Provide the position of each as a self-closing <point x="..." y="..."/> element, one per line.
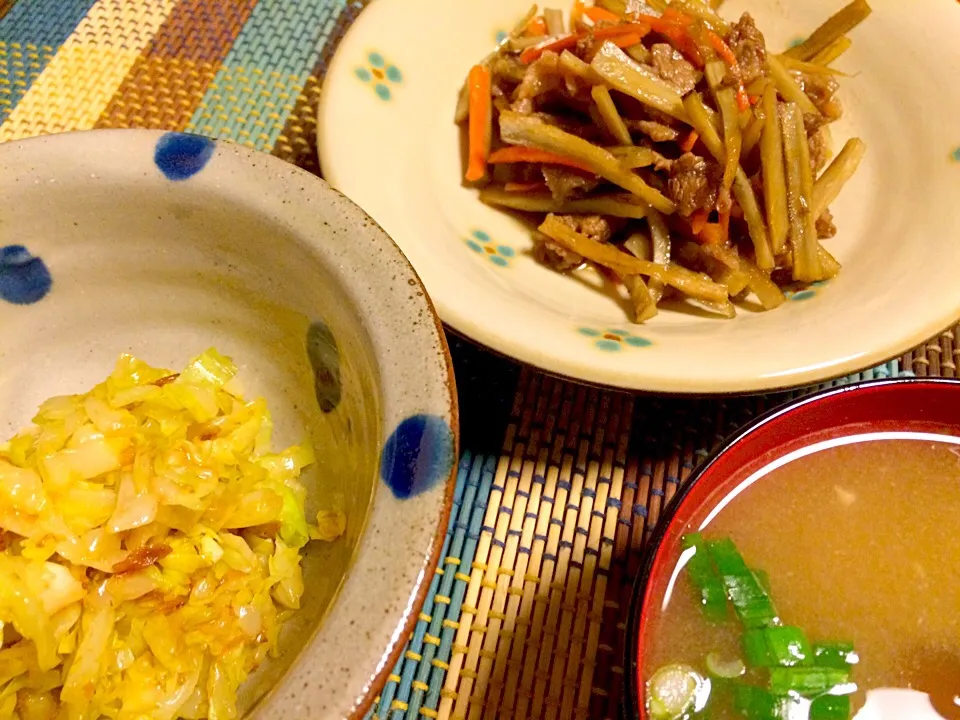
<point x="850" y="582"/>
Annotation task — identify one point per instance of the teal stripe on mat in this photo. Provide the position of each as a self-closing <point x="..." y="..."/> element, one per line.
<point x="29" y="35"/>
<point x="474" y="478"/>
<point x="253" y="94"/>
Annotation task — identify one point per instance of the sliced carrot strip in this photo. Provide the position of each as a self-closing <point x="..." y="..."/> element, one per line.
<point x="562" y="43"/>
<point x="479" y="128"/>
<point x="711" y="234"/>
<point x="535" y="28"/>
<point x="728" y="56"/>
<point x="575" y="14"/>
<point x="675" y="26"/>
<point x="698" y="221"/>
<point x="689" y="141"/>
<point x="599" y="14"/>
<point x="723" y="50"/>
<point x="568" y="41"/>
<point x="675" y="16"/>
<point x="627" y="40"/>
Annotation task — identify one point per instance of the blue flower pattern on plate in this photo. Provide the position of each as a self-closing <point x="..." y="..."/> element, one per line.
<point x="380" y="74"/>
<point x="24" y="278"/>
<point x="417" y="455"/>
<point x="955" y="155"/>
<point x="804" y="292"/>
<point x="612" y="340"/>
<point x="481" y="242"/>
<point x="180" y="156"/>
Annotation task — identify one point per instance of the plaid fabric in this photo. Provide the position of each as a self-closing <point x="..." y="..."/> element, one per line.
<point x="558" y="484"/>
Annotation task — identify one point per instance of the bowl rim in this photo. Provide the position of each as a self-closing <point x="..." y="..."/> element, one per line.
<point x="363" y="705"/>
<point x="631" y="697"/>
<point x="302" y="192"/>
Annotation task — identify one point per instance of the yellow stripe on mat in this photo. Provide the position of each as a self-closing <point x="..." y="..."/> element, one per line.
<point x="74" y="89"/>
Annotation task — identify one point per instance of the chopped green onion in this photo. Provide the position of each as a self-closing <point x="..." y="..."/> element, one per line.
<point x="771" y="646"/>
<point x="673" y="692"/>
<point x="750" y="601"/>
<point x="752" y="605"/>
<point x="713" y="596"/>
<point x="835" y="655"/>
<point x="806" y="681"/>
<point x="724" y="668"/>
<point x="755" y="703"/>
<point x="830" y="707"/>
<point x="727" y="558"/>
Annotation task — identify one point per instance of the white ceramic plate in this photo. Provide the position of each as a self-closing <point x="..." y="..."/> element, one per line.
<point x="388" y="141"/>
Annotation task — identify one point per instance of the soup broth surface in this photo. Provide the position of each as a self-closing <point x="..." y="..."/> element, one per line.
<point x="861" y="543"/>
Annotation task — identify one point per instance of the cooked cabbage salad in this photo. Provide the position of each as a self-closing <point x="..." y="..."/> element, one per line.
<point x="151" y="545"/>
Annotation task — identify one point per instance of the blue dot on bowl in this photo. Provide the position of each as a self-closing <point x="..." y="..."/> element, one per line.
<point x="803" y="295"/>
<point x="417" y="455"/>
<point x="589" y="332"/>
<point x="363" y="74"/>
<point x="505" y="251"/>
<point x="481" y="236"/>
<point x="383" y="91"/>
<point x="956" y="154"/>
<point x="797" y="41"/>
<point x="634" y="341"/>
<point x="181" y="156"/>
<point x="474" y="246"/>
<point x="376" y="59"/>
<point x="24" y="279"/>
<point x="501" y="36"/>
<point x="394" y="74"/>
<point x="498" y="261"/>
<point x="608" y="345"/>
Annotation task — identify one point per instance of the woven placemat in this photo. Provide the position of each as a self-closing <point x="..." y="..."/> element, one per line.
<point x="559" y="485"/>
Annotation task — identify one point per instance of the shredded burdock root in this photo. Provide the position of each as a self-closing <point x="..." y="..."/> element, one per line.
<point x="665" y="146"/>
<point x="151" y="547"/>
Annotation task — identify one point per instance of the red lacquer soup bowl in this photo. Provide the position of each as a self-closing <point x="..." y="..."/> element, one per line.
<point x="888" y="406"/>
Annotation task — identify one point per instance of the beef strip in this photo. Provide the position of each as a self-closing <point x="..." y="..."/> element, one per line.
<point x="674" y="68"/>
<point x="543" y="76"/>
<point x="819" y="144"/>
<point x="554" y="256"/>
<point x="821" y="88"/>
<point x="825" y="227"/>
<point x="694" y="184"/>
<point x="749" y="47"/>
<point x="564" y="183"/>
<point x="661" y="163"/>
<point x="595" y="227"/>
<point x="656" y="131"/>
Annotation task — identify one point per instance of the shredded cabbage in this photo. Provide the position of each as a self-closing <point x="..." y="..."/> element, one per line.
<point x="151" y="547"/>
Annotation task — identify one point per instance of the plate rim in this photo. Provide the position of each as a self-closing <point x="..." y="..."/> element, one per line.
<point x="582" y="370"/>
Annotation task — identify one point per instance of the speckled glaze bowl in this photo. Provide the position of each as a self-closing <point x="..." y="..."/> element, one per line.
<point x="162" y="245"/>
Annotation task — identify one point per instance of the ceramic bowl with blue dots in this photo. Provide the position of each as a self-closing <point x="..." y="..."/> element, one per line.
<point x="162" y="245"/>
<point x="387" y="139"/>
